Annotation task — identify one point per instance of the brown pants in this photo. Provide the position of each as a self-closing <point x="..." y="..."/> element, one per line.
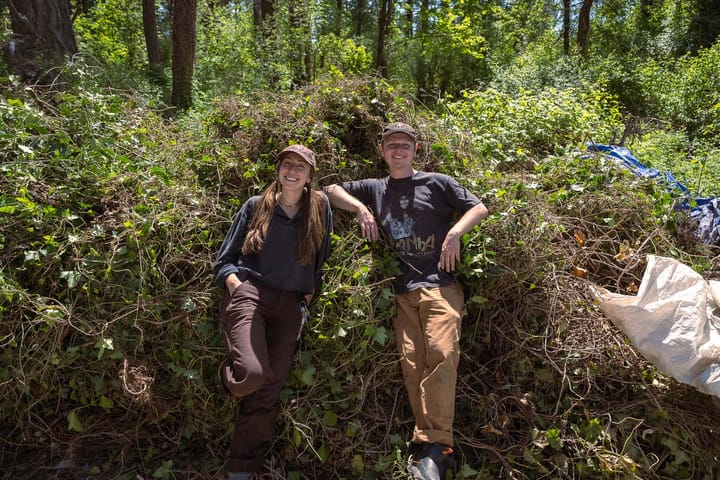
<point x="261" y="327"/>
<point x="427" y="328"/>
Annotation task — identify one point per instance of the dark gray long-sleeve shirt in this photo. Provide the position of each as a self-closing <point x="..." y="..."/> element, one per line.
<point x="276" y="265"/>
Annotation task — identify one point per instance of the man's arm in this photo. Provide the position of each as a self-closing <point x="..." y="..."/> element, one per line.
<point x="340" y="198"/>
<point x="450" y="252"/>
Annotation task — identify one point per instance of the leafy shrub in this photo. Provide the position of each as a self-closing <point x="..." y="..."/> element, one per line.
<point x="110" y="218"/>
<point x="506" y="128"/>
<point x="112" y="34"/>
<point x="342" y="56"/>
<point x="686" y="91"/>
<point x="225" y="53"/>
<point x="695" y="164"/>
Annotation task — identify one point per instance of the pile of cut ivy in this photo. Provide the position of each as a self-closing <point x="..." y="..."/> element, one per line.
<point x="110" y="217"/>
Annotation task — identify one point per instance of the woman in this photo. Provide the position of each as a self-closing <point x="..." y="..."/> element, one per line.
<point x="270" y="265"/>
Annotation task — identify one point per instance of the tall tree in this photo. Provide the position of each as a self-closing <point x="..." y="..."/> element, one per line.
<point x="583" y="32"/>
<point x="303" y="50"/>
<point x="409" y="17"/>
<point x="360" y="17"/>
<point x="566" y="27"/>
<point x="151" y="39"/>
<point x="262" y="10"/>
<point x="42" y="35"/>
<point x="384" y="19"/>
<point x="339" y="13"/>
<point x="184" y="33"/>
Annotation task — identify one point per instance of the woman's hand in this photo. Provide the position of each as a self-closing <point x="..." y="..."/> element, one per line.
<point x="232" y="282"/>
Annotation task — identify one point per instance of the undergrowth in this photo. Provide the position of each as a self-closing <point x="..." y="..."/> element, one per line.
<point x="110" y="217"/>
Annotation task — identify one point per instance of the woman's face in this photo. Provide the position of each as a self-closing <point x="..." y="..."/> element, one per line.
<point x="294" y="172"/>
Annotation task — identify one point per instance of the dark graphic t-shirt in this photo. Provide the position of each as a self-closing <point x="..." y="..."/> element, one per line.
<point x="415" y="214"/>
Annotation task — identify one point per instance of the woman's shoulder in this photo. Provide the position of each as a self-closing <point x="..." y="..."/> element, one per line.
<point x="253" y="200"/>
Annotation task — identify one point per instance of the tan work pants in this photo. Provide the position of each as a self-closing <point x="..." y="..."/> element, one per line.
<point x="427" y="328"/>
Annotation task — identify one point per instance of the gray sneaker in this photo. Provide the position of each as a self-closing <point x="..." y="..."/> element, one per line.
<point x="431" y="461"/>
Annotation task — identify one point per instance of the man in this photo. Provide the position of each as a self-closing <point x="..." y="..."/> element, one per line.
<point x="415" y="211"/>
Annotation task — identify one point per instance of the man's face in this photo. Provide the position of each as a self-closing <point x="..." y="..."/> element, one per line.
<point x="398" y="150"/>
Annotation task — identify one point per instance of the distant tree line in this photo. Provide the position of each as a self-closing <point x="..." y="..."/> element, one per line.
<point x="437" y="46"/>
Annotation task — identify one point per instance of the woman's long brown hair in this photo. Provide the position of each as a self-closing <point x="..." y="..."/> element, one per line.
<point x="312" y="230"/>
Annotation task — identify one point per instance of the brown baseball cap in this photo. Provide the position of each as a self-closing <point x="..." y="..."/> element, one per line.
<point x="398" y="127"/>
<point x="304" y="152"/>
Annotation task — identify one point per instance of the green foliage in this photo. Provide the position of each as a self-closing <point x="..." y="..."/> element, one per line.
<point x="686" y="92"/>
<point x="448" y="52"/>
<point x="695" y="164"/>
<point x="94" y="273"/>
<point x="285" y="48"/>
<point x="110" y="217"/>
<point x="514" y="129"/>
<point x="225" y="52"/>
<point x="112" y="33"/>
<point x="342" y="56"/>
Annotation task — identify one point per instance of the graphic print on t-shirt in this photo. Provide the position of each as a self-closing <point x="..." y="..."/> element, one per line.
<point x="399" y="220"/>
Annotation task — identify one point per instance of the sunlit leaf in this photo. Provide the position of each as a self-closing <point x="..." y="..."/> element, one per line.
<point x="74" y="423"/>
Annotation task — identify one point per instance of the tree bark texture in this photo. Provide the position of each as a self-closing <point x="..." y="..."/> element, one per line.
<point x="583" y="32"/>
<point x="42" y="34"/>
<point x="183" y="62"/>
<point x="384" y="16"/>
<point x="262" y="10"/>
<point x="566" y="27"/>
<point x="359" y="13"/>
<point x="151" y="36"/>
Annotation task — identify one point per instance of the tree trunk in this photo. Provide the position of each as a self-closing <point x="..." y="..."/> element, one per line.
<point x="304" y="68"/>
<point x="384" y="17"/>
<point x="359" y="16"/>
<point x="584" y="26"/>
<point x="566" y="27"/>
<point x="183" y="62"/>
<point x="410" y="18"/>
<point x="339" y="12"/>
<point x="42" y="35"/>
<point x="262" y="10"/>
<point x="151" y="39"/>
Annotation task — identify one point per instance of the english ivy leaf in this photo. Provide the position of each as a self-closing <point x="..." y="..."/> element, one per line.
<point x="381" y="336"/>
<point x="308" y="376"/>
<point x="164" y="470"/>
<point x="74" y="423"/>
<point x="71" y="277"/>
<point x="330" y="419"/>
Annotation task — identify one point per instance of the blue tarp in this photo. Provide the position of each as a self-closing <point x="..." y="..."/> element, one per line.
<point x="706" y="211"/>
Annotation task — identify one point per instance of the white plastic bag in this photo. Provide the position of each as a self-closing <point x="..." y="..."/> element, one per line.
<point x="673" y="321"/>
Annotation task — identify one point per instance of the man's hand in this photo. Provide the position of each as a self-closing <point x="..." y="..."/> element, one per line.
<point x="450" y="252"/>
<point x="368" y="226"/>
